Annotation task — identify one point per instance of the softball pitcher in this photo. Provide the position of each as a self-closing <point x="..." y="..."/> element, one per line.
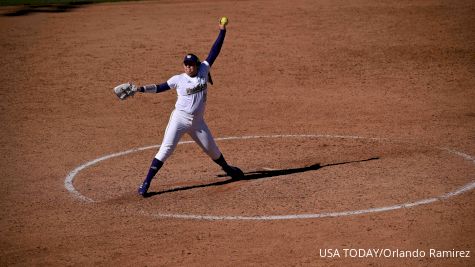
<point x="188" y="116"/>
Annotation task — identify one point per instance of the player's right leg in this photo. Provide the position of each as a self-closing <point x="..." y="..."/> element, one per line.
<point x="154" y="167"/>
<point x="176" y="127"/>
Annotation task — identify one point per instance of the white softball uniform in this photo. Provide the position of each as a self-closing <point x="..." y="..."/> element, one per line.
<point x="188" y="114"/>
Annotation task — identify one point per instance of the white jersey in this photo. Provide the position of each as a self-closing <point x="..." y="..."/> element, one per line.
<point x="191" y="91"/>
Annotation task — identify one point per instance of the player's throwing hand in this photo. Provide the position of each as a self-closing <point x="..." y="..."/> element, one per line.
<point x="223" y="21"/>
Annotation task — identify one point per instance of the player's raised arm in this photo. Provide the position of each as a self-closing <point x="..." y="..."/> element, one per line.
<point x="216" y="48"/>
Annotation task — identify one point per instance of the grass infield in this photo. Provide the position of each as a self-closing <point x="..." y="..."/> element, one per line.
<point x="54" y="2"/>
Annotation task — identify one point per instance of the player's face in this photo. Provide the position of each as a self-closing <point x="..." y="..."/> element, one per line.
<point x="191" y="69"/>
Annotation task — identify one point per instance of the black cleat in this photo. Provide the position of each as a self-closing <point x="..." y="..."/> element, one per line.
<point x="144" y="188"/>
<point x="234" y="172"/>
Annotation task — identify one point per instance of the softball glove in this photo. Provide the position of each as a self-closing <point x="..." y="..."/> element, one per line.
<point x="123" y="91"/>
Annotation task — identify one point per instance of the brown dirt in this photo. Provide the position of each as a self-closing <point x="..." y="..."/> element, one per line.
<point x="401" y="70"/>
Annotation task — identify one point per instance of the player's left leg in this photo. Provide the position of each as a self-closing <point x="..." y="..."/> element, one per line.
<point x="201" y="134"/>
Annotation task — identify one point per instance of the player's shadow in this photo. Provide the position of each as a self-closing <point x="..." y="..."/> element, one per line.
<point x="254" y="175"/>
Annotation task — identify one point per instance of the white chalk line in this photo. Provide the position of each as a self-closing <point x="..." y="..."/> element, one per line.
<point x="68" y="184"/>
<point x="268" y="169"/>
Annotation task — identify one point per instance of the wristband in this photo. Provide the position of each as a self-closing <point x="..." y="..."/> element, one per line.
<point x="150" y="88"/>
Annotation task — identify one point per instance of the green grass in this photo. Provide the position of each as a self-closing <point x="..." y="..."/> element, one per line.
<point x="49" y="2"/>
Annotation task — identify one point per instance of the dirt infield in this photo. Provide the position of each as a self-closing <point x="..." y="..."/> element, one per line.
<point x="335" y="107"/>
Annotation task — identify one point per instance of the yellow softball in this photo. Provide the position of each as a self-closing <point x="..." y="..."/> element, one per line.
<point x="223" y="21"/>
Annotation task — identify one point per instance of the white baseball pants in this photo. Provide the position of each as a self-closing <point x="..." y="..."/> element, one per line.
<point x="181" y="123"/>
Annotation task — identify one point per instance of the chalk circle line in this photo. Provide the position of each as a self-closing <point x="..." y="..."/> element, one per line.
<point x="68" y="184"/>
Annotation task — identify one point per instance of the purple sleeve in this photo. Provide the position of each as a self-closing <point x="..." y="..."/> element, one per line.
<point x="162" y="87"/>
<point x="213" y="54"/>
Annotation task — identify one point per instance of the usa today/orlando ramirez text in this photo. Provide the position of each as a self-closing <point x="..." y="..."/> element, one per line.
<point x="391" y="253"/>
